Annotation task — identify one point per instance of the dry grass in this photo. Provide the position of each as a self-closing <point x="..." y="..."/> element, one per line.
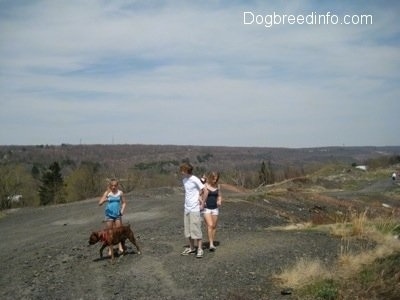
<point x="303" y="272"/>
<point x="351" y="224"/>
<point x="369" y="255"/>
<point x="349" y="264"/>
<point x="359" y="221"/>
<point x="291" y="226"/>
<point x="312" y="279"/>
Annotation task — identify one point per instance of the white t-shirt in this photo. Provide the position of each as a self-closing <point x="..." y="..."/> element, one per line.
<point x="192" y="186"/>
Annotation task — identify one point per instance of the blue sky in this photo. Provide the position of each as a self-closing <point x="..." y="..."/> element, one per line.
<point x="192" y="73"/>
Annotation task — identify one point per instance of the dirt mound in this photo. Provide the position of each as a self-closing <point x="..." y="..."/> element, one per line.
<point x="232" y="188"/>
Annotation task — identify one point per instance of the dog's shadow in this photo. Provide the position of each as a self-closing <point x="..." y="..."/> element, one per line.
<point x="116" y="255"/>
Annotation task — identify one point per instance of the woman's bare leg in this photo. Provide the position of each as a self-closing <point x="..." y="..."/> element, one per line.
<point x="118" y="223"/>
<point x="209" y="223"/>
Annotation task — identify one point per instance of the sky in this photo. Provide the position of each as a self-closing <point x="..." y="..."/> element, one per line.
<point x="211" y="73"/>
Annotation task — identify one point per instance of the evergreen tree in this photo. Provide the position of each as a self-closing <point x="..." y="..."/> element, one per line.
<point x="262" y="175"/>
<point x="35" y="172"/>
<point x="52" y="183"/>
<point x="266" y="175"/>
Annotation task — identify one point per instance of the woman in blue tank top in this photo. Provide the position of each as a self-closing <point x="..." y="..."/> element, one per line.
<point x="115" y="206"/>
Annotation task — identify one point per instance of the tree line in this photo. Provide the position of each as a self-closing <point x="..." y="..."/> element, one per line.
<point x="43" y="185"/>
<point x="67" y="181"/>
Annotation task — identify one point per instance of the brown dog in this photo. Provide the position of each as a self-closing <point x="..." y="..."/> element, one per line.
<point x="113" y="236"/>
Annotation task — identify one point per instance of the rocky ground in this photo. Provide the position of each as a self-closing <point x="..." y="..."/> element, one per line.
<point x="45" y="252"/>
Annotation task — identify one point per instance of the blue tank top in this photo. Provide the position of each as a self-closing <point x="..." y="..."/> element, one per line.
<point x="113" y="207"/>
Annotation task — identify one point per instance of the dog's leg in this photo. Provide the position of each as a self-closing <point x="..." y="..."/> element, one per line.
<point x="101" y="250"/>
<point x="112" y="253"/>
<point x="123" y="247"/>
<point x="133" y="241"/>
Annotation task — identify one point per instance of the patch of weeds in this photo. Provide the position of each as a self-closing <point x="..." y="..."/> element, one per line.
<point x="352" y="185"/>
<point x="321" y="290"/>
<point x="387" y="226"/>
<point x="367" y="276"/>
<point x="396" y="230"/>
<point x="387" y="267"/>
<point x="378" y="280"/>
<point x="359" y="221"/>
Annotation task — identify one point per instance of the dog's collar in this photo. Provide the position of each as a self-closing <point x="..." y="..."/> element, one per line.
<point x="104" y="236"/>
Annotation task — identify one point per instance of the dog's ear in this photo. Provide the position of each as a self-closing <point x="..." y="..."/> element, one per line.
<point x="93" y="233"/>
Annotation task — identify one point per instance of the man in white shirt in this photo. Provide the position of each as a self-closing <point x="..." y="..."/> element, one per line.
<point x="194" y="188"/>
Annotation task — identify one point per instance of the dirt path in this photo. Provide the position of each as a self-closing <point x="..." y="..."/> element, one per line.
<point x="45" y="253"/>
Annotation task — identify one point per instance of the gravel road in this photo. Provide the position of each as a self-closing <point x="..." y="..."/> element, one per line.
<point x="45" y="252"/>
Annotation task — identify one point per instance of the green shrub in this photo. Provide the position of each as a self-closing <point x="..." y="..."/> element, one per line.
<point x="322" y="290"/>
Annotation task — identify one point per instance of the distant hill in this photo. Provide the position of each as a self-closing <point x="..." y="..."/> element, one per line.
<point x="122" y="156"/>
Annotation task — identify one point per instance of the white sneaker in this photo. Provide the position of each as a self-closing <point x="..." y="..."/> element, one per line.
<point x="199" y="253"/>
<point x="188" y="251"/>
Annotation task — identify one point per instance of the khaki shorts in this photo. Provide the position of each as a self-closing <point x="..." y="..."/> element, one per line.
<point x="192" y="225"/>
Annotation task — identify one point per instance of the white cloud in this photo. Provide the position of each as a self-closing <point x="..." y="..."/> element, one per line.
<point x="183" y="72"/>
